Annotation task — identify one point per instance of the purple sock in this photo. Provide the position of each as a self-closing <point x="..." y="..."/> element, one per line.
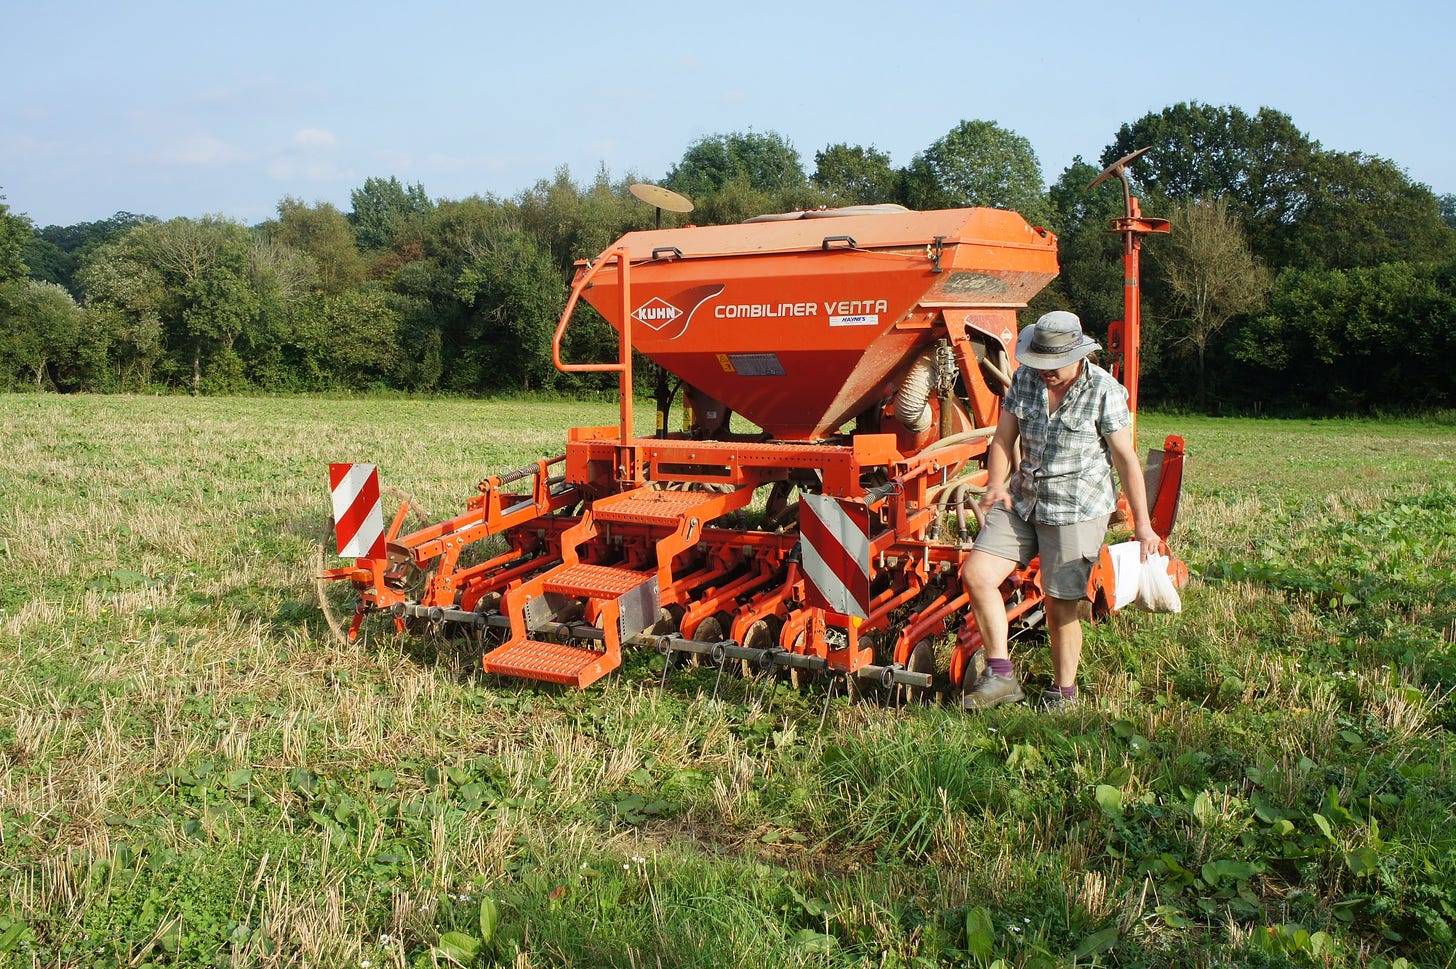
<point x="1068" y="692"/>
<point x="1001" y="667"/>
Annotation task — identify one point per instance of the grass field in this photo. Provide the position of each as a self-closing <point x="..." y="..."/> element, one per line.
<point x="194" y="773"/>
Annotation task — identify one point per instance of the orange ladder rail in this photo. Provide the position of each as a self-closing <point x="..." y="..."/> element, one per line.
<point x="623" y="366"/>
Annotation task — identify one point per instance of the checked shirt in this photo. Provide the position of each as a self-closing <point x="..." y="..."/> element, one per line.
<point x="1065" y="474"/>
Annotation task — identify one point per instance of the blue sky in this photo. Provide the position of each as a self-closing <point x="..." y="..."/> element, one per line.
<point x="168" y="108"/>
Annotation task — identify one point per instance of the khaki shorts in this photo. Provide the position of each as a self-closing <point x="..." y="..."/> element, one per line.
<point x="1068" y="552"/>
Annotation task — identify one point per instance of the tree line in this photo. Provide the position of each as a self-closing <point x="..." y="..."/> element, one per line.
<point x="1295" y="278"/>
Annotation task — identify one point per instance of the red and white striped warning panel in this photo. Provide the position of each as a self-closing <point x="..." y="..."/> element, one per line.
<point x="358" y="517"/>
<point x="836" y="554"/>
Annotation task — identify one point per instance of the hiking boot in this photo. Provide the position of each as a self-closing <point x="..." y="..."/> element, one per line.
<point x="1053" y="701"/>
<point x="991" y="691"/>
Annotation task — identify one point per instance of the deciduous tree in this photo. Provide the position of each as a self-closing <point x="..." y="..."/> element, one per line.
<point x="324" y="234"/>
<point x="126" y="295"/>
<point x="204" y="264"/>
<point x="14" y="231"/>
<point x="195" y="276"/>
<point x="46" y="261"/>
<point x="1211" y="277"/>
<point x="43" y="329"/>
<point x="765" y="161"/>
<point x="578" y="222"/>
<point x="737" y="200"/>
<point x="1362" y="210"/>
<point x="1089" y="255"/>
<point x="979" y="163"/>
<point x="1371" y="337"/>
<point x="855" y="175"/>
<point x="1299" y="204"/>
<point x="351" y="340"/>
<point x="515" y="294"/>
<point x="387" y="212"/>
<point x="282" y="276"/>
<point x="1202" y="151"/>
<point x="61" y="250"/>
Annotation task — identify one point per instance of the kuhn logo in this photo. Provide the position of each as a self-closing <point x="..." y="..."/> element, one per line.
<point x="656" y="313"/>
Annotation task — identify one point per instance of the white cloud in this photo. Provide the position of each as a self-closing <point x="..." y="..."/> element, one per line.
<point x="395" y="161"/>
<point x="245" y="96"/>
<point x="314" y="138"/>
<point x="291" y="169"/>
<point x="203" y="150"/>
<point x="311" y="155"/>
<point x="20" y="147"/>
<point x="447" y="164"/>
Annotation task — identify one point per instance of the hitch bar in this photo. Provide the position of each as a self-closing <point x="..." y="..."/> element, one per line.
<point x="479" y="620"/>
<point x="726" y="649"/>
<point x="894" y="673"/>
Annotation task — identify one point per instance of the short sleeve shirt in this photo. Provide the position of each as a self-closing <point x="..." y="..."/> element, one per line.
<point x="1065" y="475"/>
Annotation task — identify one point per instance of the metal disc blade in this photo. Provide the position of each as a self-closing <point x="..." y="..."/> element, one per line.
<point x="662" y="198"/>
<point x="1116" y="167"/>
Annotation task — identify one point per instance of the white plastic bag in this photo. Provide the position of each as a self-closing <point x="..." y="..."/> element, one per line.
<point x="1127" y="569"/>
<point x="1156" y="592"/>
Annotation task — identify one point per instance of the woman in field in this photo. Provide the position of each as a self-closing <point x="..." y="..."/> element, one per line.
<point x="1072" y="420"/>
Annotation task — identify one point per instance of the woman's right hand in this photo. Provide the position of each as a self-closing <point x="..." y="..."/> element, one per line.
<point x="994" y="497"/>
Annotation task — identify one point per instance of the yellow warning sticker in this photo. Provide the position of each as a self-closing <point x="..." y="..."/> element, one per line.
<point x="725" y="363"/>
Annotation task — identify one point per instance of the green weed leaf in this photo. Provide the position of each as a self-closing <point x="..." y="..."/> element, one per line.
<point x="1362" y="861"/>
<point x="12" y="935"/>
<point x="1223" y="870"/>
<point x="1334" y="811"/>
<point x="1097" y="942"/>
<point x="1025" y="757"/>
<point x="303" y="781"/>
<point x="814" y="907"/>
<point x="1109" y="799"/>
<point x="980" y="936"/>
<point x="1172" y="917"/>
<point x="458" y="947"/>
<point x="489" y="919"/>
<point x="812" y="941"/>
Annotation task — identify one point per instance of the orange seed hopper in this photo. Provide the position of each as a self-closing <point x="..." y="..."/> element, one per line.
<point x="797" y="324"/>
